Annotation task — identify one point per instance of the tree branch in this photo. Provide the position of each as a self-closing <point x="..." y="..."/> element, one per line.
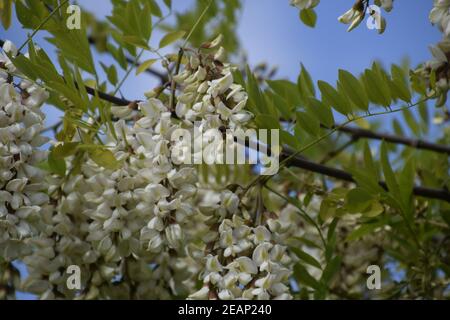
<point x="336" y="152"/>
<point x="355" y="132"/>
<point x="415" y="143"/>
<point x="303" y="163"/>
<point x="107" y="97"/>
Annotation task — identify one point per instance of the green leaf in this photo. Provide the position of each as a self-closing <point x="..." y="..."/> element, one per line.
<point x="331" y="270"/>
<point x="73" y="45"/>
<point x="56" y="165"/>
<point x="303" y="277"/>
<point x="331" y="244"/>
<point x="287" y="90"/>
<point x="266" y="121"/>
<point x="332" y="98"/>
<point x="81" y="88"/>
<point x="118" y="55"/>
<point x="170" y="38"/>
<point x="365" y="180"/>
<point x="111" y="73"/>
<point x="305" y="83"/>
<point x="400" y="83"/>
<point x="6" y="13"/>
<point x="358" y="200"/>
<point x="104" y="158"/>
<point x="256" y="101"/>
<point x="377" y="89"/>
<point x="305" y="257"/>
<point x="25" y="66"/>
<point x="308" y="122"/>
<point x="308" y="17"/>
<point x="290" y="140"/>
<point x="364" y="230"/>
<point x="424" y="115"/>
<point x="411" y="122"/>
<point x="354" y="90"/>
<point x="281" y="104"/>
<point x="136" y="41"/>
<point x="375" y="209"/>
<point x="391" y="180"/>
<point x="397" y="127"/>
<point x="155" y="9"/>
<point x="327" y="210"/>
<point x="418" y="84"/>
<point x="134" y="23"/>
<point x="369" y="163"/>
<point x="145" y="65"/>
<point x="322" y="112"/>
<point x="406" y="181"/>
<point x="332" y="229"/>
<point x="64" y="150"/>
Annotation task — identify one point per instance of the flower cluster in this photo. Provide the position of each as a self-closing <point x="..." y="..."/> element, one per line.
<point x="435" y="72"/>
<point x="126" y="225"/>
<point x="209" y="94"/>
<point x="357" y="13"/>
<point x="211" y="99"/>
<point x="246" y="262"/>
<point x="106" y="217"/>
<point x="304" y="4"/>
<point x="23" y="191"/>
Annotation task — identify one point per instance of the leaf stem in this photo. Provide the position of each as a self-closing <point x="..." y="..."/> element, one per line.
<point x="41" y="25"/>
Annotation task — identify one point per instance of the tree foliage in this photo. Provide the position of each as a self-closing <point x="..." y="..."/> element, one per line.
<point x="109" y="193"/>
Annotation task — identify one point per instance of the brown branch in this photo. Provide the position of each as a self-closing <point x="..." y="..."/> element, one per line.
<point x="300" y="162"/>
<point x="303" y="163"/>
<point x="107" y="97"/>
<point x="355" y="132"/>
<point x="415" y="143"/>
<point x="335" y="152"/>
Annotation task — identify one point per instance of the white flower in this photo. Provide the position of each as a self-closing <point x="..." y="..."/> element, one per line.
<point x="385" y="4"/>
<point x="201" y="294"/>
<point x="304" y="4"/>
<point x="174" y="235"/>
<point x="354" y="16"/>
<point x="219" y="86"/>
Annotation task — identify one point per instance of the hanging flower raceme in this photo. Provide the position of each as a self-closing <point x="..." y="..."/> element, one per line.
<point x="240" y="260"/>
<point x="134" y="212"/>
<point x="23" y="191"/>
<point x="125" y="225"/>
<point x="434" y="74"/>
<point x="440" y="15"/>
<point x="354" y="16"/>
<point x="209" y="94"/>
<point x="244" y="261"/>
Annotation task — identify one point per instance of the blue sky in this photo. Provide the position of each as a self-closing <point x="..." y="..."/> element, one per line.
<point x="270" y="31"/>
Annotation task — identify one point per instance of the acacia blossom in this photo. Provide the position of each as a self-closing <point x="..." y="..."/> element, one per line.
<point x="23" y="190"/>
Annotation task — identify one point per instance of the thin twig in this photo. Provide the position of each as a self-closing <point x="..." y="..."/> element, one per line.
<point x="41" y="25"/>
<point x="332" y="154"/>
